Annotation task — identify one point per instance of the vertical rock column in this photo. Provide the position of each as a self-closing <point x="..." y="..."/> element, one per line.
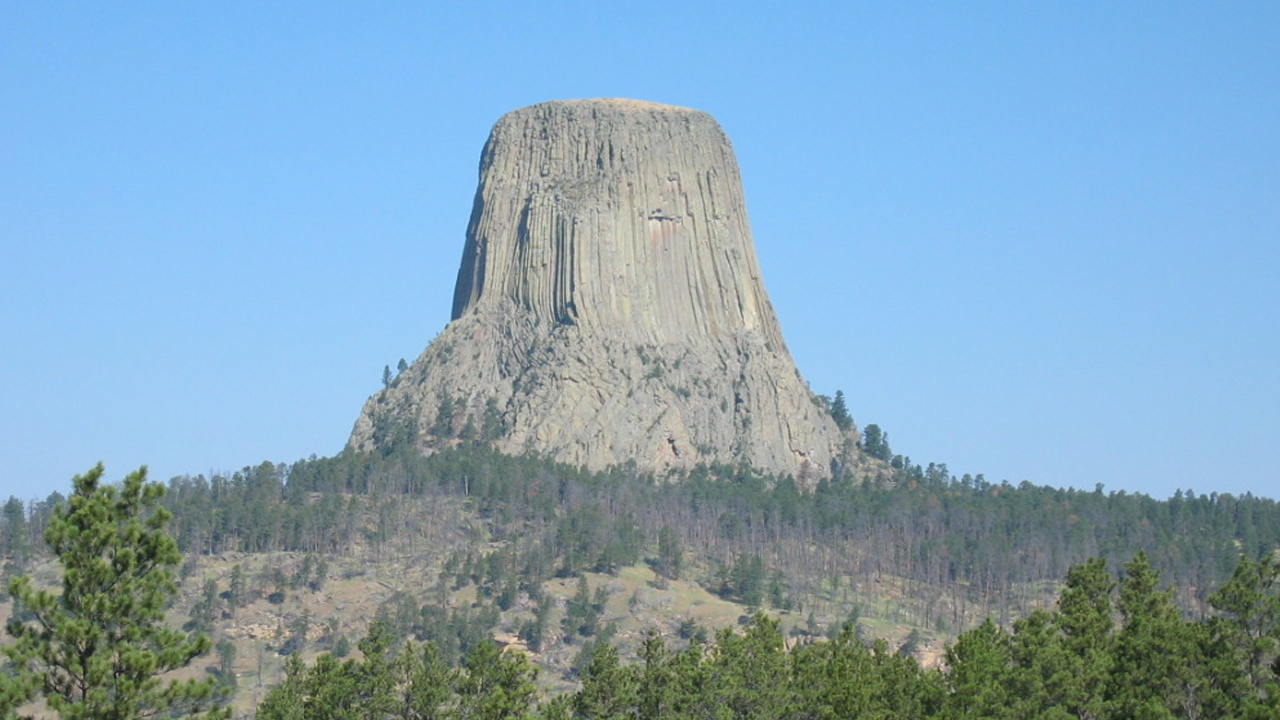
<point x="609" y="306"/>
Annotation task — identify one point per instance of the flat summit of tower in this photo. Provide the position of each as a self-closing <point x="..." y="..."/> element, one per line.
<point x="623" y="103"/>
<point x="609" y="307"/>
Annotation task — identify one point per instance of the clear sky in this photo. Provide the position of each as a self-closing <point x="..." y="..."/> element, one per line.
<point x="1039" y="241"/>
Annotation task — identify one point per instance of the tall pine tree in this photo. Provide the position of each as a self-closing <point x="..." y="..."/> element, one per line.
<point x="96" y="650"/>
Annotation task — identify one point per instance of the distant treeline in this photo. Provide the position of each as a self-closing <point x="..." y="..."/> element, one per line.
<point x="959" y="547"/>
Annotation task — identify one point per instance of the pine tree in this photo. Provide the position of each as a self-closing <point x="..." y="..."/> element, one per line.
<point x="1156" y="652"/>
<point x="751" y="673"/>
<point x="1244" y="651"/>
<point x="657" y="684"/>
<point x="840" y="412"/>
<point x="670" y="554"/>
<point x="609" y="690"/>
<point x="237" y="591"/>
<point x="837" y="679"/>
<point x="428" y="688"/>
<point x="1084" y="618"/>
<point x="1250" y="622"/>
<point x="98" y="647"/>
<point x="980" y="673"/>
<point x="875" y="442"/>
<point x="496" y="685"/>
<point x="13" y="531"/>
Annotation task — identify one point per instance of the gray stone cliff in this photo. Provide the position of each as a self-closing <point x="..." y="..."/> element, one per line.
<point x="609" y="307"/>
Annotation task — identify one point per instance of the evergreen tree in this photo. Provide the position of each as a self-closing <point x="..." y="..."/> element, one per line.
<point x="1155" y="651"/>
<point x="1249" y="625"/>
<point x="428" y="683"/>
<point x="750" y="672"/>
<point x="875" y="442"/>
<point x="491" y="421"/>
<point x="237" y="594"/>
<point x="1042" y="674"/>
<point x="747" y="580"/>
<point x="1084" y="619"/>
<point x="656" y="684"/>
<point x="840" y="412"/>
<point x="837" y="679"/>
<point x="378" y="676"/>
<point x="13" y="531"/>
<point x="99" y="646"/>
<point x="206" y="609"/>
<point x="285" y="700"/>
<point x="581" y="615"/>
<point x="670" y="554"/>
<point x="609" y="690"/>
<point x="904" y="689"/>
<point x="443" y="426"/>
<point x="496" y="685"/>
<point x="1244" y="638"/>
<point x="979" y="674"/>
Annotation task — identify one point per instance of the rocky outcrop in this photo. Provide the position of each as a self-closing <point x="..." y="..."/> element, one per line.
<point x="609" y="307"/>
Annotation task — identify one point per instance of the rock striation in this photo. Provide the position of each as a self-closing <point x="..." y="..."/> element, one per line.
<point x="609" y="307"/>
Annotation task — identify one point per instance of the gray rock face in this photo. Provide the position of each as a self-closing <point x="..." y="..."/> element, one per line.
<point x="609" y="307"/>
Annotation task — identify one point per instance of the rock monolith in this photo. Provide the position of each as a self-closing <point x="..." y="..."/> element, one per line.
<point x="609" y="307"/>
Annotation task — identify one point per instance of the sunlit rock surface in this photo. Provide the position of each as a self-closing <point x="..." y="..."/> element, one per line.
<point x="609" y="307"/>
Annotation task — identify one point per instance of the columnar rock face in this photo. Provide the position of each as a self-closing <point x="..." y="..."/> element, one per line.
<point x="609" y="307"/>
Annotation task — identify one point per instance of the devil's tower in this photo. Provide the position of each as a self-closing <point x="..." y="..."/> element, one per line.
<point x="609" y="307"/>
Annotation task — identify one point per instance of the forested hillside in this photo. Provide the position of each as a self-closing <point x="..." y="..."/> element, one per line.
<point x="961" y="548"/>
<point x="964" y="547"/>
<point x="469" y="545"/>
<point x="505" y="544"/>
<point x="1111" y="650"/>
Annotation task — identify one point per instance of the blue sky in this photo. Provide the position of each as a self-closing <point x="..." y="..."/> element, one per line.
<point x="1039" y="241"/>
